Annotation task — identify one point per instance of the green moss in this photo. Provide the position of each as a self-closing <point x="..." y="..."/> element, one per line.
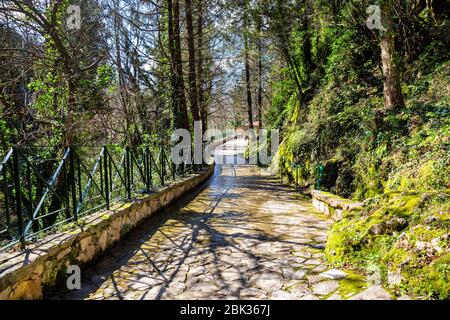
<point x="417" y="251"/>
<point x="55" y="274"/>
<point x="353" y="284"/>
<point x="336" y="197"/>
<point x="432" y="281"/>
<point x="106" y="217"/>
<point x="125" y="229"/>
<point x="338" y="243"/>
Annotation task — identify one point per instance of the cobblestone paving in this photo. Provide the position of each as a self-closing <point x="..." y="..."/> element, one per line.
<point x="244" y="236"/>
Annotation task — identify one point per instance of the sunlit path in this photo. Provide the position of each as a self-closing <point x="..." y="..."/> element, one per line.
<point x="243" y="236"/>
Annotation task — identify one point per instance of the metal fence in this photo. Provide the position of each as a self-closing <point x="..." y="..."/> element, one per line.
<point x="42" y="190"/>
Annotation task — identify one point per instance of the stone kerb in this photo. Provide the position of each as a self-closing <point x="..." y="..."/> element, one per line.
<point x="332" y="205"/>
<point x="32" y="273"/>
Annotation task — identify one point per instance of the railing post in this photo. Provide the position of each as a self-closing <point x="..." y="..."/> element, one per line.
<point x="150" y="173"/>
<point x="30" y="196"/>
<point x="131" y="168"/>
<point x="171" y="163"/>
<point x="66" y="189"/>
<point x="73" y="182"/>
<point x="161" y="160"/>
<point x="110" y="175"/>
<point x="319" y="176"/>
<point x="144" y="156"/>
<point x="18" y="195"/>
<point x="80" y="192"/>
<point x="106" y="177"/>
<point x="147" y="169"/>
<point x="257" y="150"/>
<point x="102" y="176"/>
<point x="6" y="195"/>
<point x="127" y="170"/>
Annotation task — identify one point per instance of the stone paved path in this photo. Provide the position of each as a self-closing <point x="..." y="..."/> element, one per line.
<point x="244" y="236"/>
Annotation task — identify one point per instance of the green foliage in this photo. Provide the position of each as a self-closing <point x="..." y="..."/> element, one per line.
<point x="398" y="162"/>
<point x="404" y="233"/>
<point x="105" y="76"/>
<point x="406" y="175"/>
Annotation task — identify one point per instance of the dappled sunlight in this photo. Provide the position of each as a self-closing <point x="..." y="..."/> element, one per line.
<point x="243" y="236"/>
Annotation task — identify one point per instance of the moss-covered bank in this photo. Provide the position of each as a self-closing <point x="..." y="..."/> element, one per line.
<point x="405" y="236"/>
<point x="402" y="174"/>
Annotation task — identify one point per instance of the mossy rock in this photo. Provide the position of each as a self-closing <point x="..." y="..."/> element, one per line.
<point x="405" y="233"/>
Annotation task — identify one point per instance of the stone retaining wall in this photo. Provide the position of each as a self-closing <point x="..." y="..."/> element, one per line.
<point x="332" y="205"/>
<point x="34" y="272"/>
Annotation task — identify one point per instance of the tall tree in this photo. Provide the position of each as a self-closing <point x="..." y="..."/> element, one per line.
<point x="247" y="66"/>
<point x="281" y="25"/>
<point x="181" y="116"/>
<point x="260" y="68"/>
<point x="193" y="94"/>
<point x="200" y="69"/>
<point x="393" y="97"/>
<point x="172" y="58"/>
<point x="122" y="93"/>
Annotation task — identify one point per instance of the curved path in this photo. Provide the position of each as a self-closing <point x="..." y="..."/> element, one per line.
<point x="243" y="236"/>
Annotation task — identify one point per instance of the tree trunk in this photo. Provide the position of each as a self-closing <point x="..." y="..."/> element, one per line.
<point x="181" y="98"/>
<point x="393" y="97"/>
<point x="200" y="75"/>
<point x="260" y="80"/>
<point x="247" y="72"/>
<point x="306" y="48"/>
<point x="61" y="182"/>
<point x="173" y="77"/>
<point x="121" y="81"/>
<point x="193" y="95"/>
<point x="283" y="37"/>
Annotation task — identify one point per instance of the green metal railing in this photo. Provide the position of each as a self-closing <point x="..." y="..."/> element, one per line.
<point x="42" y="190"/>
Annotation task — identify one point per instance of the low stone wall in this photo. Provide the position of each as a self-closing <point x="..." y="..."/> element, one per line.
<point x="332" y="205"/>
<point x="32" y="273"/>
